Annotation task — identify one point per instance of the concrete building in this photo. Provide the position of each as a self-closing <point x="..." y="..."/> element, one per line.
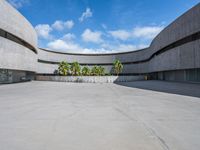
<point x="173" y="55"/>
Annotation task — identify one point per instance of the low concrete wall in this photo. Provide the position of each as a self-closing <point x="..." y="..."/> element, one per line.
<point x="90" y="79"/>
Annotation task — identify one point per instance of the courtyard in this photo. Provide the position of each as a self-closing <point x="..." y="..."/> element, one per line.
<point x="142" y="115"/>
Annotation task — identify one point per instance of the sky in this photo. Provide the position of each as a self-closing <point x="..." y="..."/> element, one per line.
<point x="99" y="26"/>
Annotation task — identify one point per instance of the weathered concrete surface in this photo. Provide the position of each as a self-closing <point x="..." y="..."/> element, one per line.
<point x="72" y="116"/>
<point x="16" y="57"/>
<point x="14" y="22"/>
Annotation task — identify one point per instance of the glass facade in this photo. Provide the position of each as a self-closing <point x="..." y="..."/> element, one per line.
<point x="193" y="75"/>
<point x="5" y="76"/>
<point x="12" y="76"/>
<point x="190" y="75"/>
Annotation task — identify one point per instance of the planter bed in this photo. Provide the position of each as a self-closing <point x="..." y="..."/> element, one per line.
<point x="90" y="79"/>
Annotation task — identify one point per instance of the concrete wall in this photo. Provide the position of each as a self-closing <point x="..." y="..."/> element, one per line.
<point x="183" y="26"/>
<point x="13" y="22"/>
<point x="16" y="57"/>
<point x="14" y="53"/>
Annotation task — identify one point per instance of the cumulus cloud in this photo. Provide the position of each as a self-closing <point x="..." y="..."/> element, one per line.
<point x="122" y="47"/>
<point x="71" y="47"/>
<point x="58" y="25"/>
<point x="62" y="45"/>
<point x="69" y="24"/>
<point x="61" y="25"/>
<point x="18" y="3"/>
<point x="129" y="47"/>
<point x="68" y="37"/>
<point x="148" y="32"/>
<point x="43" y="31"/>
<point x="66" y="44"/>
<point x="85" y="15"/>
<point x="114" y="48"/>
<point x="120" y="34"/>
<point x="91" y="36"/>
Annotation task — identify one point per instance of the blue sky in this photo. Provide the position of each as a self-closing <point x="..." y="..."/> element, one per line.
<point x="99" y="26"/>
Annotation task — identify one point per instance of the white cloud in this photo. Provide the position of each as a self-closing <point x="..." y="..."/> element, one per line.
<point x="62" y="45"/>
<point x="113" y="48"/>
<point x="95" y="51"/>
<point x="18" y="3"/>
<point x="69" y="24"/>
<point x="43" y="31"/>
<point x="90" y="36"/>
<point x="147" y="32"/>
<point x="67" y="45"/>
<point x="71" y="47"/>
<point x="122" y="47"/>
<point x="61" y="25"/>
<point x="85" y="15"/>
<point x="120" y="34"/>
<point x="68" y="37"/>
<point x="58" y="25"/>
<point x="129" y="47"/>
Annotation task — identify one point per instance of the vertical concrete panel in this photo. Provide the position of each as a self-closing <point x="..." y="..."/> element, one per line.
<point x="197" y="54"/>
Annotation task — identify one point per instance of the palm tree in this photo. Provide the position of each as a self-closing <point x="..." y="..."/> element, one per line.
<point x="98" y="71"/>
<point x="63" y="68"/>
<point x="86" y="71"/>
<point x="94" y="70"/>
<point x="75" y="68"/>
<point x="117" y="66"/>
<point x="101" y="71"/>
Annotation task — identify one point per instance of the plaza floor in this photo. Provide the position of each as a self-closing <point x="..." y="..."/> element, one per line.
<point x="142" y="115"/>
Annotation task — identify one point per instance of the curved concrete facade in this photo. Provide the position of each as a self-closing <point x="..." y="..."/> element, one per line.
<point x="177" y="47"/>
<point x="173" y="54"/>
<point x="13" y="22"/>
<point x="18" y="45"/>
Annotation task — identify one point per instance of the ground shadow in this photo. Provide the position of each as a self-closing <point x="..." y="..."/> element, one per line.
<point x="187" y="89"/>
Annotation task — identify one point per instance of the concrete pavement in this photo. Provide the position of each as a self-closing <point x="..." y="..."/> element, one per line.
<point x="79" y="116"/>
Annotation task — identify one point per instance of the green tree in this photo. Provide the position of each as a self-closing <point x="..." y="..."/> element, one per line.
<point x="75" y="68"/>
<point x="63" y="68"/>
<point x="117" y="66"/>
<point x="86" y="71"/>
